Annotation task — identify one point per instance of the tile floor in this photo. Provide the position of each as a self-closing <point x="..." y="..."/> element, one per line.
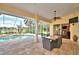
<point x="28" y="47"/>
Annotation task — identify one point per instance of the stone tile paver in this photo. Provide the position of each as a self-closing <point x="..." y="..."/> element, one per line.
<point x="28" y="47"/>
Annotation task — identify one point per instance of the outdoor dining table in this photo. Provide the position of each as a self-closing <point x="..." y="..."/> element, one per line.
<point x="50" y="43"/>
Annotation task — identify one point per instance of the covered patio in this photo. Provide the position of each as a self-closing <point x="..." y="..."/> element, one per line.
<point x="42" y="14"/>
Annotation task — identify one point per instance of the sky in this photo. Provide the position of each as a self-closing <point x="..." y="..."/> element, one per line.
<point x="10" y="21"/>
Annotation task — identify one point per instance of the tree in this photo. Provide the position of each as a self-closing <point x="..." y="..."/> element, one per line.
<point x="19" y="29"/>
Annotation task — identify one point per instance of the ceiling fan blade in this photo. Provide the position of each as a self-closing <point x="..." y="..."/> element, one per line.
<point x="57" y="18"/>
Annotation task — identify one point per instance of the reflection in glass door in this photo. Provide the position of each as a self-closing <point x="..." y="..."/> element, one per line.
<point x="56" y="29"/>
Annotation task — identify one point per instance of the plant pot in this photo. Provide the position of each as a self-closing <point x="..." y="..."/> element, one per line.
<point x="75" y="38"/>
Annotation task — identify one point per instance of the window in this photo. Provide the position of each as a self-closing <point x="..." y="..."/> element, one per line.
<point x="9" y="23"/>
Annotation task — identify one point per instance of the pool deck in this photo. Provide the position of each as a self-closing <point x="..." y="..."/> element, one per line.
<point x="29" y="47"/>
<point x="3" y="35"/>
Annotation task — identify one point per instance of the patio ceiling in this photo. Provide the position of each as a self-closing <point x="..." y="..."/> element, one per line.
<point x="11" y="10"/>
<point x="46" y="9"/>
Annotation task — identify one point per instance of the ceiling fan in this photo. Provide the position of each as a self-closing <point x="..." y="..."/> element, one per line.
<point x="56" y="17"/>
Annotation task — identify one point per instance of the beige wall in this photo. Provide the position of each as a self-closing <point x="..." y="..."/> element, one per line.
<point x="74" y="29"/>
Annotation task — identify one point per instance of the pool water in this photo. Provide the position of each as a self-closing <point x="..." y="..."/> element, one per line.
<point x="7" y="38"/>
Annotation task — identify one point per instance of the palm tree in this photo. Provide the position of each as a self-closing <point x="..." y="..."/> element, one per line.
<point x="19" y="29"/>
<point x="28" y="23"/>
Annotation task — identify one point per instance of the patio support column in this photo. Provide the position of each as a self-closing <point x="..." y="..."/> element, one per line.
<point x="60" y="29"/>
<point x="51" y="29"/>
<point x="36" y="30"/>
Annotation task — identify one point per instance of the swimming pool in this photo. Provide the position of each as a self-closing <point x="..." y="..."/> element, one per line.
<point x="13" y="37"/>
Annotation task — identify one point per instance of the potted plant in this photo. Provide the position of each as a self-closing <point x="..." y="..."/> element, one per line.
<point x="75" y="38"/>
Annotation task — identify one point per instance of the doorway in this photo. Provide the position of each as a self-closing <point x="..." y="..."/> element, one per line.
<point x="56" y="29"/>
<point x="65" y="31"/>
